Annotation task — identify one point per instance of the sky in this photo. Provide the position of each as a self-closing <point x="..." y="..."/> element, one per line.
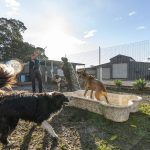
<point x="70" y="27"/>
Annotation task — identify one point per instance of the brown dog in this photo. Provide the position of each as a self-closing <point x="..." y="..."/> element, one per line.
<point x="93" y="84"/>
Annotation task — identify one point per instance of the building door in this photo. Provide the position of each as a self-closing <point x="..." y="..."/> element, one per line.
<point x="119" y="71"/>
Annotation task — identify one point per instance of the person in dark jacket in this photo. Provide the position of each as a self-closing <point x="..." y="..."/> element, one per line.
<point x="34" y="71"/>
<point x="67" y="73"/>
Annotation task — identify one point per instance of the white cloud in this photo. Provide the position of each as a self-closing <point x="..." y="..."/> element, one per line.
<point x="89" y="33"/>
<point x="118" y="18"/>
<point x="140" y="28"/>
<point x="132" y="13"/>
<point x="13" y="7"/>
<point x="12" y="3"/>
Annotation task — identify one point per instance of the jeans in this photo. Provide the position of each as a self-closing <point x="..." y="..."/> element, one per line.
<point x="36" y="74"/>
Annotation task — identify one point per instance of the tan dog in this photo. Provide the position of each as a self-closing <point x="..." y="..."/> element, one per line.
<point x="93" y="84"/>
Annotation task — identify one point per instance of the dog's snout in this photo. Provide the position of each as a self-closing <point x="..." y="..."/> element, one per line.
<point x="65" y="103"/>
<point x="67" y="100"/>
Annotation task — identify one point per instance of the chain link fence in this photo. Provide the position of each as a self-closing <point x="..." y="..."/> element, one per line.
<point x="127" y="62"/>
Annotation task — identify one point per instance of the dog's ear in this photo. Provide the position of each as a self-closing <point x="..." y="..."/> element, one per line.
<point x="56" y="93"/>
<point x="60" y="97"/>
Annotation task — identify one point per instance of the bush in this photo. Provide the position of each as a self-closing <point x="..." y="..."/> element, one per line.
<point x="139" y="84"/>
<point x="118" y="83"/>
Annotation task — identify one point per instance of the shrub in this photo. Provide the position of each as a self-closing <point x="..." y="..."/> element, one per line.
<point x="139" y="84"/>
<point x="118" y="83"/>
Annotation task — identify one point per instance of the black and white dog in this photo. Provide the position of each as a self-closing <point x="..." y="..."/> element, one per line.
<point x="31" y="107"/>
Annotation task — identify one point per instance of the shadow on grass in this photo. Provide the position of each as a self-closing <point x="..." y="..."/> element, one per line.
<point x="45" y="141"/>
<point x="49" y="142"/>
<point x="27" y="139"/>
<point x="95" y="132"/>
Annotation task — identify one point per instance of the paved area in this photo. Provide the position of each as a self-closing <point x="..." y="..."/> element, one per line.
<point x="46" y="88"/>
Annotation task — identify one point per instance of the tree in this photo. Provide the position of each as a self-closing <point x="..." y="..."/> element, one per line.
<point x="22" y="50"/>
<point x="11" y="41"/>
<point x="42" y="56"/>
<point x="10" y="32"/>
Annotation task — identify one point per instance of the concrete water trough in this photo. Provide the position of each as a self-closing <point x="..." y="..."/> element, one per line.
<point x="118" y="109"/>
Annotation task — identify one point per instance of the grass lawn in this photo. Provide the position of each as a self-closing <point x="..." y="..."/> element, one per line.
<point x="133" y="134"/>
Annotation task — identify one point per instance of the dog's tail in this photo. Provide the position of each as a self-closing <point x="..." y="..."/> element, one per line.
<point x="98" y="95"/>
<point x="105" y="95"/>
<point x="7" y="76"/>
<point x="8" y="73"/>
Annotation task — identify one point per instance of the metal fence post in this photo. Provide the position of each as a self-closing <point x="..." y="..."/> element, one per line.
<point x="100" y="67"/>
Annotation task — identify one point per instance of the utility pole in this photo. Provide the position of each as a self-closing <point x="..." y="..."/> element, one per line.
<point x="100" y="67"/>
